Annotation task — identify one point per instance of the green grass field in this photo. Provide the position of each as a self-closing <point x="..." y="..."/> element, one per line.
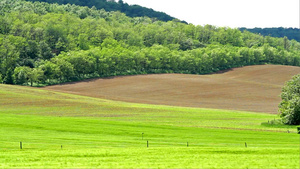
<point x="108" y="134"/>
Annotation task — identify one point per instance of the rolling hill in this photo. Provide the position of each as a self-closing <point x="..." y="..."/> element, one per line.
<point x="251" y="88"/>
<point x="101" y="123"/>
<point x="60" y="130"/>
<point x="44" y="44"/>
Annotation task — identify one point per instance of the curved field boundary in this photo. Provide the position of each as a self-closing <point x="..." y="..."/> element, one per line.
<point x="251" y="88"/>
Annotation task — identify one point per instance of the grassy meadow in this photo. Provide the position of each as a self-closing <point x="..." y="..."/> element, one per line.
<point x="64" y="131"/>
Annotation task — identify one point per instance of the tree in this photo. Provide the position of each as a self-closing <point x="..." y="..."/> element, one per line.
<point x="9" y="55"/>
<point x="59" y="69"/>
<point x="35" y="75"/>
<point x="20" y="75"/>
<point x="83" y="42"/>
<point x="286" y="43"/>
<point x="45" y="50"/>
<point x="289" y="107"/>
<point x="9" y="77"/>
<point x="5" y="25"/>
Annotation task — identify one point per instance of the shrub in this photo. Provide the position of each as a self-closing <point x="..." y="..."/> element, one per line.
<point x="289" y="107"/>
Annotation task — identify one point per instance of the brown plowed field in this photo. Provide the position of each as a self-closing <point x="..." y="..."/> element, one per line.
<point x="251" y="88"/>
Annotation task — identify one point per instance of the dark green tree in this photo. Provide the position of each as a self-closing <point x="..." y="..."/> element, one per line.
<point x="9" y="77"/>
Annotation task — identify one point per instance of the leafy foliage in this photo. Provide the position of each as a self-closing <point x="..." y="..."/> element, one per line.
<point x="290" y="33"/>
<point x="129" y="10"/>
<point x="290" y="104"/>
<point x="62" y="43"/>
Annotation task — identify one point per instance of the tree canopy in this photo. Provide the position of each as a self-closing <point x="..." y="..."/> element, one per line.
<point x="42" y="43"/>
<point x="290" y="33"/>
<point x="112" y="5"/>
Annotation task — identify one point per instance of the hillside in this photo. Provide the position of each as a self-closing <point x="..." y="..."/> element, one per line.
<point x="251" y="88"/>
<point x="59" y="130"/>
<point x="105" y="123"/>
<point x="112" y="5"/>
<point x="45" y="44"/>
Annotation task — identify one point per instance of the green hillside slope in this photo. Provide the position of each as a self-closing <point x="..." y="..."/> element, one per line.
<point x="43" y="44"/>
<point x="63" y="131"/>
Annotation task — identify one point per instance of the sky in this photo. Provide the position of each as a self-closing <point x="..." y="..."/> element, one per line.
<point x="231" y="13"/>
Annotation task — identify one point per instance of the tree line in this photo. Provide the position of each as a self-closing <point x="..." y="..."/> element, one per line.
<point x="290" y="33"/>
<point x="42" y="44"/>
<point x="112" y="5"/>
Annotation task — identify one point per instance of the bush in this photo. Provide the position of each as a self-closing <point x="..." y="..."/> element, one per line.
<point x="289" y="107"/>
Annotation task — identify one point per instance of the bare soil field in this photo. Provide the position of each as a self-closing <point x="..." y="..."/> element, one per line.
<point x="250" y="88"/>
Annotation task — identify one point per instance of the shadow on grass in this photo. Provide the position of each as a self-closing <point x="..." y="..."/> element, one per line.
<point x="278" y="124"/>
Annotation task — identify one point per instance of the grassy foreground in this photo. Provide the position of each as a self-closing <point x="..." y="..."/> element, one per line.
<point x="65" y="131"/>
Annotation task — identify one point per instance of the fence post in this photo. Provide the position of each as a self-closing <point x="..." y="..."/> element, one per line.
<point x="245" y="144"/>
<point x="21" y="147"/>
<point x="147" y="143"/>
<point x="298" y="132"/>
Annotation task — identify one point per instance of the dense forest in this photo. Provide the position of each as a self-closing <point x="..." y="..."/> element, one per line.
<point x="42" y="44"/>
<point x="290" y="33"/>
<point x="112" y="5"/>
